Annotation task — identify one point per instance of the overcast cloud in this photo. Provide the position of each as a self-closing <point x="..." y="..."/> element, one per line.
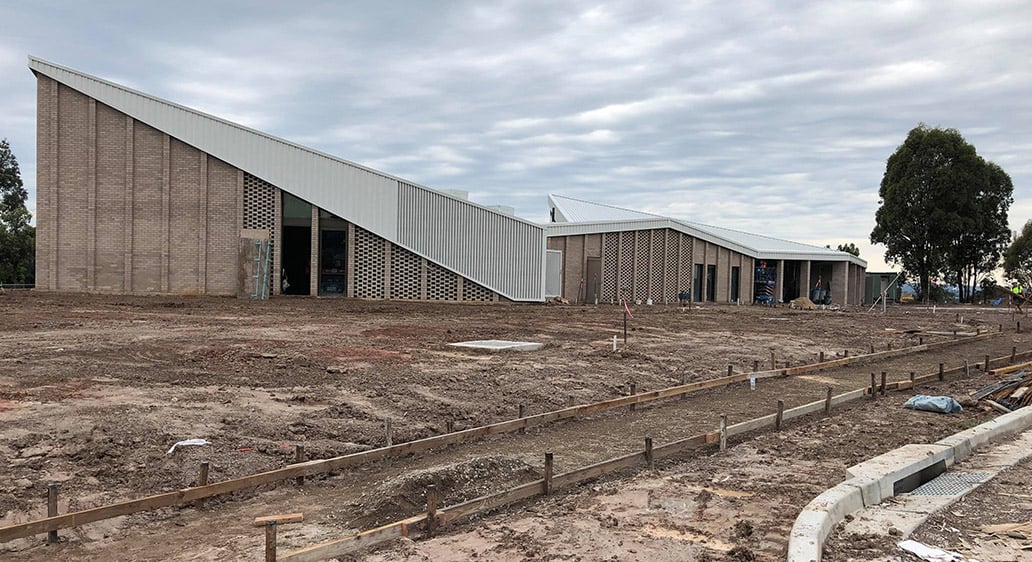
<point x="775" y="118"/>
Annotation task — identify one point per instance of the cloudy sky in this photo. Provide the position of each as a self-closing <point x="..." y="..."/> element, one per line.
<point x="775" y="120"/>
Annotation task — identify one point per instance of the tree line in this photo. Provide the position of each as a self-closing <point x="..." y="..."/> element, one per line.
<point x="17" y="235"/>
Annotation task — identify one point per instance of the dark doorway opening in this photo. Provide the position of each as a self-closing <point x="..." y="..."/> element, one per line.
<point x="593" y="283"/>
<point x="791" y="279"/>
<point x="736" y="279"/>
<point x="297" y="260"/>
<point x="711" y="283"/>
<point x="697" y="283"/>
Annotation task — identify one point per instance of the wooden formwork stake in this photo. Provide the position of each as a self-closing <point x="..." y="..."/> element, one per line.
<point x="874" y="386"/>
<point x="684" y="381"/>
<point x="820" y="358"/>
<point x="942" y="372"/>
<point x="548" y="474"/>
<point x="202" y="480"/>
<point x="52" y="510"/>
<point x="967" y="369"/>
<point x="913" y="377"/>
<point x="649" y="459"/>
<point x="723" y="432"/>
<point x="523" y="410"/>
<point x="1014" y="354"/>
<point x="781" y="415"/>
<point x="985" y="366"/>
<point x="202" y="474"/>
<point x="845" y="353"/>
<point x="730" y="370"/>
<point x="270" y="541"/>
<point x="299" y="456"/>
<point x="449" y="426"/>
<point x="827" y="402"/>
<point x="772" y="364"/>
<point x="882" y="388"/>
<point x="920" y="340"/>
<point x="634" y="390"/>
<point x="756" y="365"/>
<point x="389" y="430"/>
<point x="569" y="400"/>
<point x="1001" y="327"/>
<point x="872" y="347"/>
<point x="431" y="510"/>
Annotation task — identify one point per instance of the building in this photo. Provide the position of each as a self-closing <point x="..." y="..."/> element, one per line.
<point x="136" y="194"/>
<point x="608" y="251"/>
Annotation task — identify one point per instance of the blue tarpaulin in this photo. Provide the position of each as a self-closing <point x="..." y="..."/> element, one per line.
<point x="940" y="404"/>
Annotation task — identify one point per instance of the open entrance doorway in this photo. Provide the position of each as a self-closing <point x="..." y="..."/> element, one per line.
<point x="296" y="258"/>
<point x="333" y="255"/>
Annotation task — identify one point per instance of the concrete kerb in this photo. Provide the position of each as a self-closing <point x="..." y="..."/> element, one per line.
<point x="872" y="481"/>
<point x="965" y="442"/>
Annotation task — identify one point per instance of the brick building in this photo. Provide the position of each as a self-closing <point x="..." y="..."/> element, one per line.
<point x="606" y="252"/>
<point x="136" y="194"/>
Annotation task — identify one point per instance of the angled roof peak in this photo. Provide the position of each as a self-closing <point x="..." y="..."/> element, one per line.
<point x="569" y="209"/>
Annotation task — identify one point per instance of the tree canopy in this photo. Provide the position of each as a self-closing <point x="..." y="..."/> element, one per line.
<point x="943" y="209"/>
<point x="1017" y="261"/>
<point x="849" y="248"/>
<point x="17" y="236"/>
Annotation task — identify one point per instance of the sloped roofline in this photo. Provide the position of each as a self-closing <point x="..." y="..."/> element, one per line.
<point x="698" y="230"/>
<point x="386" y="205"/>
<point x="36" y="62"/>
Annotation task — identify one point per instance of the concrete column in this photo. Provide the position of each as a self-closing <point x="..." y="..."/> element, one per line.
<point x="779" y="284"/>
<point x="805" y="283"/>
<point x="839" y="283"/>
<point x="313" y="279"/>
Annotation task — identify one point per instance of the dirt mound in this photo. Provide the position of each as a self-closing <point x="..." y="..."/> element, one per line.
<point x="404" y="495"/>
<point x="803" y="303"/>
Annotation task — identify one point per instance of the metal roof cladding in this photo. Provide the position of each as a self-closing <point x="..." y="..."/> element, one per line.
<point x="575" y="216"/>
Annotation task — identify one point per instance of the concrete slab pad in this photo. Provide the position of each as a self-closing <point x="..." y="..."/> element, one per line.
<point x="499" y="345"/>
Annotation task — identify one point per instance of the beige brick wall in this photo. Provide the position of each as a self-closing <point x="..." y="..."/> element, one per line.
<point x="72" y="192"/>
<point x="109" y="262"/>
<point x="122" y="207"/>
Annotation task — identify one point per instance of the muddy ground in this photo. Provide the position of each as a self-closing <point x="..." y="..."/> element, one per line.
<point x="95" y="389"/>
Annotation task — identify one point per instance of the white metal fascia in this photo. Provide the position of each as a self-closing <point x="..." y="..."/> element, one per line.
<point x="358" y="194"/>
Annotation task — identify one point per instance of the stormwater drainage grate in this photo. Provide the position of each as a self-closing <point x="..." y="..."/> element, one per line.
<point x="951" y="484"/>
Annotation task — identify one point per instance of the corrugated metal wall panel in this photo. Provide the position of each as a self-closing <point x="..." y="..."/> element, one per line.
<point x="497" y="251"/>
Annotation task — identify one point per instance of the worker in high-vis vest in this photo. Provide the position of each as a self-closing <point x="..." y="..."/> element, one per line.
<point x="1018" y="296"/>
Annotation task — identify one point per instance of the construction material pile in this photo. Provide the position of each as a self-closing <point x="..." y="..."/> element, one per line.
<point x="1013" y="392"/>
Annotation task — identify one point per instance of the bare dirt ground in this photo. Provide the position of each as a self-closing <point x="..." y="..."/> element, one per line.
<point x="95" y="389"/>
